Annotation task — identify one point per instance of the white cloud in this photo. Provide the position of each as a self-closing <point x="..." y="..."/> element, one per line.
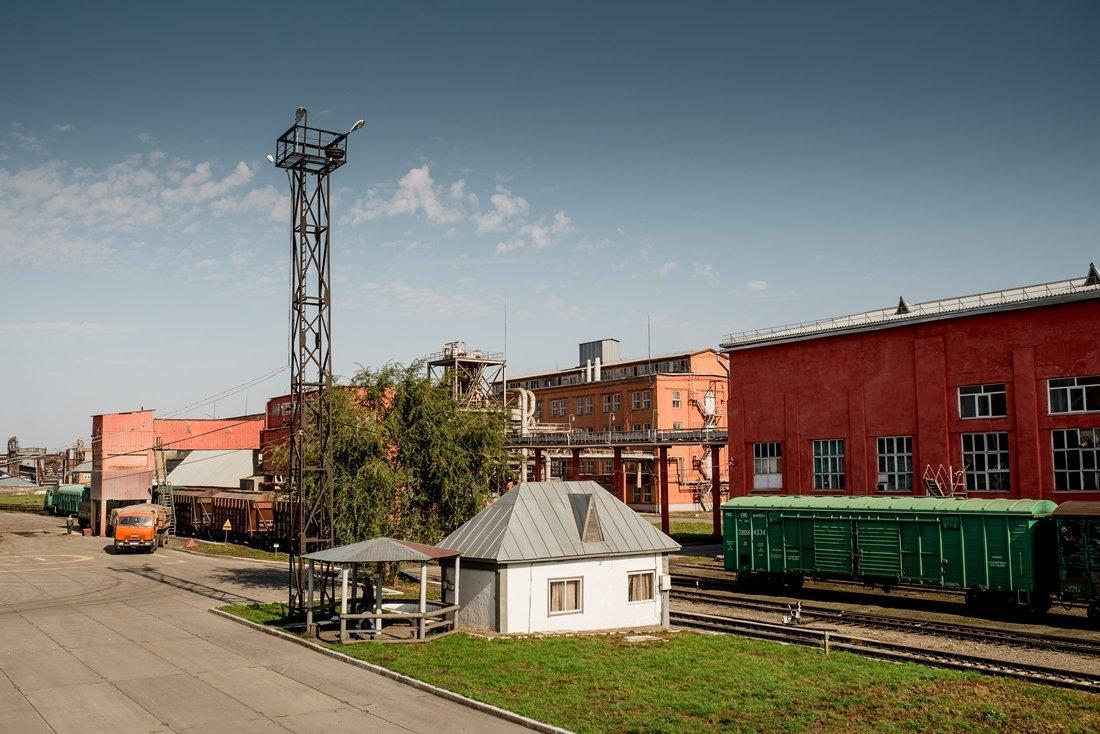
<point x="145" y="138"/>
<point x="587" y="245"/>
<point x="266" y="201"/>
<point x="62" y="327"/>
<point x="200" y="185"/>
<point x="704" y="271"/>
<point x="402" y="297"/>
<point x="506" y="208"/>
<point x="544" y="235"/>
<point x="62" y="129"/>
<point x="757" y="285"/>
<point x="29" y="142"/>
<point x="512" y="245"/>
<point x="465" y="279"/>
<point x="206" y="262"/>
<point x="667" y="268"/>
<point x="416" y="193"/>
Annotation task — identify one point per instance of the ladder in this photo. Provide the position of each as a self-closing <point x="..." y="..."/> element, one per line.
<point x="162" y="488"/>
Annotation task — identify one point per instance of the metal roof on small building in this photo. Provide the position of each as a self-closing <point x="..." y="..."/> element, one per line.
<point x="213" y="469"/>
<point x="381" y="550"/>
<point x="891" y="504"/>
<point x="539" y="521"/>
<point x="13" y="482"/>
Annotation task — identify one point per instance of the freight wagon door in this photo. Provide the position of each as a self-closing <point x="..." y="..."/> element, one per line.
<point x="834" y="548"/>
<point x="879" y="549"/>
<point x="920" y="546"/>
<point x="951" y="542"/>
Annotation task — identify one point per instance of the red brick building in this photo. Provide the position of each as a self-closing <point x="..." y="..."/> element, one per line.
<point x="1004" y="386"/>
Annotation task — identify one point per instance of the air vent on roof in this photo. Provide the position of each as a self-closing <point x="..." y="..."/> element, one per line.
<point x="903" y="306"/>
<point x="1093" y="278"/>
<point x="588" y="522"/>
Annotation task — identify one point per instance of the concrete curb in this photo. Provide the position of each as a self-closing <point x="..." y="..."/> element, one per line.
<point x="214" y="556"/>
<point x="485" y="708"/>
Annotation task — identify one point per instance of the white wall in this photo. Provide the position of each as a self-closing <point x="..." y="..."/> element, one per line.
<point x="604" y="595"/>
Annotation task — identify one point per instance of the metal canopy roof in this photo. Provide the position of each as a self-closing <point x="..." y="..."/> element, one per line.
<point x="213" y="469"/>
<point x="381" y="550"/>
<point x="891" y="504"/>
<point x="539" y="521"/>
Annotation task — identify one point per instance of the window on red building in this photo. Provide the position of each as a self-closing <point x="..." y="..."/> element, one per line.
<point x="895" y="463"/>
<point x="767" y="465"/>
<point x="985" y="456"/>
<point x="1074" y="394"/>
<point x="829" y="463"/>
<point x="1076" y="459"/>
<point x="675" y="398"/>
<point x="983" y="401"/>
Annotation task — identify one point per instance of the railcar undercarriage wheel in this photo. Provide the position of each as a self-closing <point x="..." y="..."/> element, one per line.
<point x="1094" y="613"/>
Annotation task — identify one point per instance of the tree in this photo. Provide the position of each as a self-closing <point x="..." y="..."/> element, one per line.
<point x="408" y="462"/>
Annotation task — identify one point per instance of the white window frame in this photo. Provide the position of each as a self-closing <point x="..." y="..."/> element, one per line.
<point x="895" y="462"/>
<point x="982" y="396"/>
<point x="675" y="398"/>
<point x="767" y="465"/>
<point x="1086" y="457"/>
<point x="829" y="468"/>
<point x="652" y="587"/>
<point x="677" y="426"/>
<point x="550" y="596"/>
<point x="985" y="454"/>
<point x="1089" y="392"/>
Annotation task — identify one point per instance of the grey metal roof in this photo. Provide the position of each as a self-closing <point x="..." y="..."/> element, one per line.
<point x="213" y="469"/>
<point x="539" y="521"/>
<point x="84" y="467"/>
<point x="905" y="313"/>
<point x="11" y="481"/>
<point x="380" y="550"/>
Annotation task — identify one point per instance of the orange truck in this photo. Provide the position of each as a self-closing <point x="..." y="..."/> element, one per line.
<point x="140" y="526"/>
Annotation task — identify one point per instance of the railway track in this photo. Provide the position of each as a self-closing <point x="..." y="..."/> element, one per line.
<point x="886" y="650"/>
<point x="970" y="633"/>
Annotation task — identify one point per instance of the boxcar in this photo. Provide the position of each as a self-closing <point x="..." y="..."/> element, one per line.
<point x="997" y="550"/>
<point x="249" y="513"/>
<point x="66" y="498"/>
<point x="1077" y="528"/>
<point x="193" y="511"/>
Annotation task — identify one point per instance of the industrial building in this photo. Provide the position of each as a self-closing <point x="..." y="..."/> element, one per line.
<point x="604" y="394"/>
<point x="132" y="451"/>
<point x="988" y="395"/>
<point x="561" y="557"/>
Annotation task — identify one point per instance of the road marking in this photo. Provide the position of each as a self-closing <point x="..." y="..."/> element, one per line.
<point x="51" y="561"/>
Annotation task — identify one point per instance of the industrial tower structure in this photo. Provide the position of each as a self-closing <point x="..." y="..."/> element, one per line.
<point x="477" y="379"/>
<point x="310" y="155"/>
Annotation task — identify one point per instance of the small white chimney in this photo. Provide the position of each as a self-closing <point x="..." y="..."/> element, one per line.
<point x="588" y="371"/>
<point x="596" y="370"/>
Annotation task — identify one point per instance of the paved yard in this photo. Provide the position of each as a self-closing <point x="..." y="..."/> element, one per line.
<point x="97" y="642"/>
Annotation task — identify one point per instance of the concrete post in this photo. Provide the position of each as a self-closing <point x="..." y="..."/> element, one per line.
<point x="619" y="482"/>
<point x="716" y="490"/>
<point x="455" y="601"/>
<point x="423" y="600"/>
<point x="378" y="598"/>
<point x="309" y="601"/>
<point x="343" y="603"/>
<point x="662" y="462"/>
<point x="102" y="518"/>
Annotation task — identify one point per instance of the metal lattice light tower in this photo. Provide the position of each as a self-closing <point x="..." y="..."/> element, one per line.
<point x="309" y="156"/>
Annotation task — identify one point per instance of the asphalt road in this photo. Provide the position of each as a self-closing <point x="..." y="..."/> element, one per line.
<point x="91" y="641"/>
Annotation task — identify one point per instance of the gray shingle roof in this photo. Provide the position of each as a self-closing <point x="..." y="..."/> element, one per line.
<point x="213" y="469"/>
<point x="539" y="521"/>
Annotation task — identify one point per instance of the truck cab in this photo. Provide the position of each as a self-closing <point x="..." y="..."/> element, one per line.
<point x="140" y="526"/>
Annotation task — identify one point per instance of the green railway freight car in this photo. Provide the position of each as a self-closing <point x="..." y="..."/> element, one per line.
<point x="998" y="550"/>
<point x="67" y="498"/>
<point x="1077" y="525"/>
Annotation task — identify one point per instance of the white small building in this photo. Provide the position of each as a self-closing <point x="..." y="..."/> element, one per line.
<point x="561" y="557"/>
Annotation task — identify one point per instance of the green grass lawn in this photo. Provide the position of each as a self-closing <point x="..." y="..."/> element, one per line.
<point x="692" y="682"/>
<point x="21" y="501"/>
<point x="689" y="532"/>
<point x="234" y="550"/>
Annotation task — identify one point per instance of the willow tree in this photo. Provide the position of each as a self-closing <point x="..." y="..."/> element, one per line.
<point x="408" y="462"/>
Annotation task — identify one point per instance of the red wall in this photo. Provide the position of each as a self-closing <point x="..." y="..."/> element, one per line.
<point x="211" y="434"/>
<point x="903" y="381"/>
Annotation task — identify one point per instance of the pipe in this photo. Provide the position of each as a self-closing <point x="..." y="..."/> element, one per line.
<point x="588" y="371"/>
<point x="596" y="370"/>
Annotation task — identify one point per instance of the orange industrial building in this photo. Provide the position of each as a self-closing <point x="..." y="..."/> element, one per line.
<point x="682" y="391"/>
<point x="126" y="447"/>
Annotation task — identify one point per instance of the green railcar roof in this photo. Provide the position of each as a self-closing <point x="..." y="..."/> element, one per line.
<point x="71" y="489"/>
<point x="892" y="504"/>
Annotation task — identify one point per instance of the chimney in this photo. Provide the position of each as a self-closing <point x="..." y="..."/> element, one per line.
<point x="588" y="371"/>
<point x="596" y="370"/>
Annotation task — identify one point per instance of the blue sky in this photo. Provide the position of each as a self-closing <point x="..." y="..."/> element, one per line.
<point x="713" y="167"/>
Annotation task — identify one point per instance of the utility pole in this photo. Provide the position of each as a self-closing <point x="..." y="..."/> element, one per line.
<point x="310" y="155"/>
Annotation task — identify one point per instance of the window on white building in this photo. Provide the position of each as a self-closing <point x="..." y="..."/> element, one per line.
<point x="565" y="596"/>
<point x="639" y="586"/>
<point x="1074" y="394"/>
<point x="895" y="463"/>
<point x="1076" y="459"/>
<point x="985" y="457"/>
<point x="983" y="401"/>
<point x="829" y="463"/>
<point x="767" y="463"/>
<point x="675" y="398"/>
